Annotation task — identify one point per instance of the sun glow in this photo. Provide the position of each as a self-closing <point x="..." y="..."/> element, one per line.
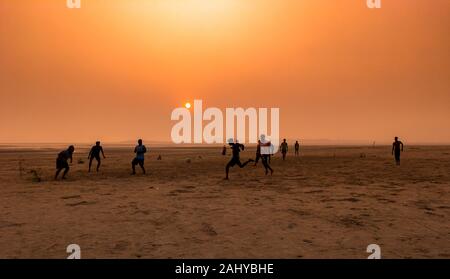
<point x="186" y="12"/>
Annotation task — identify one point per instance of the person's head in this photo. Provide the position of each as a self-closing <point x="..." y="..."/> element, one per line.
<point x="71" y="149"/>
<point x="284" y="140"/>
<point x="296" y="141"/>
<point x="139" y="141"/>
<point x="97" y="143"/>
<point x="396" y="138"/>
<point x="259" y="141"/>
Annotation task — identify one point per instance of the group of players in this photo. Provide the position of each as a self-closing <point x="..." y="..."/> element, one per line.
<point x="96" y="151"/>
<point x="264" y="151"/>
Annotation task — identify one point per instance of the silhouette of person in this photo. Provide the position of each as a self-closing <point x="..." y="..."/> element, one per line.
<point x="235" y="159"/>
<point x="61" y="161"/>
<point x="297" y="148"/>
<point x="140" y="150"/>
<point x="284" y="149"/>
<point x="258" y="153"/>
<point x="397" y="148"/>
<point x="224" y="150"/>
<point x="95" y="154"/>
<point x="266" y="152"/>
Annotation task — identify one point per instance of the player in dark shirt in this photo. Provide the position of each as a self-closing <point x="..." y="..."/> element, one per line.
<point x="258" y="153"/>
<point x="61" y="161"/>
<point x="284" y="149"/>
<point x="95" y="154"/>
<point x="397" y="148"/>
<point x="235" y="159"/>
<point x="297" y="148"/>
<point x="140" y="150"/>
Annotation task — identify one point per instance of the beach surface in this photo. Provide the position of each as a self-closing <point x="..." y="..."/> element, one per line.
<point x="331" y="202"/>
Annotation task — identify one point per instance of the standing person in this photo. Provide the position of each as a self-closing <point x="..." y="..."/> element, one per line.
<point x="224" y="150"/>
<point x="297" y="148"/>
<point x="266" y="152"/>
<point x="95" y="154"/>
<point x="236" y="148"/>
<point x="258" y="153"/>
<point x="284" y="149"/>
<point x="397" y="148"/>
<point x="61" y="161"/>
<point x="140" y="150"/>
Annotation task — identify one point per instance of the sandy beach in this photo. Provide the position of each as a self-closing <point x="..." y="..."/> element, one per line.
<point x="331" y="202"/>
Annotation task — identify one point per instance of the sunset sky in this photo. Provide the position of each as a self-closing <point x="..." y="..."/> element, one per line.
<point x="114" y="70"/>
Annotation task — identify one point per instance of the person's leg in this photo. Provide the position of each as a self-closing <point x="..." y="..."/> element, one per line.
<point x="133" y="166"/>
<point x="90" y="163"/>
<point x="141" y="164"/>
<point x="258" y="156"/>
<point x="266" y="164"/>
<point x="57" y="173"/>
<point x="244" y="164"/>
<point x="66" y="170"/>
<point x="227" y="168"/>
<point x="99" y="162"/>
<point x="397" y="158"/>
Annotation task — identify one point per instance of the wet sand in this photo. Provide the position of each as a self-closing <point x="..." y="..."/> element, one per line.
<point x="331" y="202"/>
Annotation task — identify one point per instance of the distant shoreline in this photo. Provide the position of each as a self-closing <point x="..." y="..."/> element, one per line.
<point x="201" y="146"/>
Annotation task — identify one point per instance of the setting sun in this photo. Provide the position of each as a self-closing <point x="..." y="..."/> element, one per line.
<point x="187" y="105"/>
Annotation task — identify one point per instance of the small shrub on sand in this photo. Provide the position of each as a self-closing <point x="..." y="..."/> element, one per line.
<point x="35" y="176"/>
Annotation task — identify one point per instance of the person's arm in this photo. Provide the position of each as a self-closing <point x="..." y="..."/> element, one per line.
<point x="393" y="148"/>
<point x="266" y="144"/>
<point x="135" y="150"/>
<point x="90" y="153"/>
<point x="71" y="158"/>
<point x="101" y="149"/>
<point x="145" y="149"/>
<point x="401" y="143"/>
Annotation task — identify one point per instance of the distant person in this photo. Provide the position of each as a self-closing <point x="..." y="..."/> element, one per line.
<point x="236" y="148"/>
<point x="61" y="161"/>
<point x="95" y="154"/>
<point x="224" y="150"/>
<point x="284" y="149"/>
<point x="397" y="148"/>
<point x="258" y="153"/>
<point x="140" y="150"/>
<point x="266" y="152"/>
<point x="297" y="148"/>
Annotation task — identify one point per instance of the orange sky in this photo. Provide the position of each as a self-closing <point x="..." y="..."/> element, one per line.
<point x="114" y="70"/>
